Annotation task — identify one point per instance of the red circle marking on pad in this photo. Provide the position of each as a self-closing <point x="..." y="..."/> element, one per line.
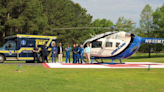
<point x="46" y="65"/>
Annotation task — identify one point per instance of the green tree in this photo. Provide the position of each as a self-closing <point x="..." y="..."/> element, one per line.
<point x="146" y="24"/>
<point x="101" y="23"/>
<point x="158" y="21"/>
<point x="21" y="16"/>
<point x="66" y="14"/>
<point x="158" y="16"/>
<point x="124" y="25"/>
<point x="42" y="16"/>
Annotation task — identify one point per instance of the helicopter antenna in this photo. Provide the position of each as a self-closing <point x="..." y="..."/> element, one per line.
<point x="91" y="35"/>
<point x="112" y="27"/>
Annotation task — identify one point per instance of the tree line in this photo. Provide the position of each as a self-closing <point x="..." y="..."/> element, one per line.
<point x="42" y="16"/>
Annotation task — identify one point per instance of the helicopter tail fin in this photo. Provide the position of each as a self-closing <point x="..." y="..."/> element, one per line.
<point x="152" y="40"/>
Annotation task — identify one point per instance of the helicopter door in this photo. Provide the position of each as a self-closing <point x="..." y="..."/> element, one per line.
<point x="96" y="48"/>
<point x="109" y="47"/>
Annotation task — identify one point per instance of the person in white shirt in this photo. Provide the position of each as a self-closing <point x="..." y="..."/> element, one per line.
<point x="87" y="53"/>
<point x="60" y="53"/>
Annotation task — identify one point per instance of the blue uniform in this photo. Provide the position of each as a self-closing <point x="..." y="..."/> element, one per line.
<point x="77" y="55"/>
<point x="68" y="53"/>
<point x="74" y="55"/>
<point x="81" y="54"/>
<point x="54" y="49"/>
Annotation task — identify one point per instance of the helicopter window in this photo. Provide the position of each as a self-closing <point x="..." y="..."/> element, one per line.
<point x="117" y="44"/>
<point x="97" y="44"/>
<point x="109" y="44"/>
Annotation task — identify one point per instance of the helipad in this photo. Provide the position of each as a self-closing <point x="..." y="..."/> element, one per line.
<point x="126" y="65"/>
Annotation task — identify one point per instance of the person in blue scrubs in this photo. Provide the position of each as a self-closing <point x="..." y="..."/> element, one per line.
<point x="81" y="53"/>
<point x="54" y="52"/>
<point x="73" y="53"/>
<point x="68" y="49"/>
<point x="77" y="53"/>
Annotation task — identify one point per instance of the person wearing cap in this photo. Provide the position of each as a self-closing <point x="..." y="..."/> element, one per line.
<point x="60" y="53"/>
<point x="81" y="53"/>
<point x="44" y="50"/>
<point x="54" y="52"/>
<point x="68" y="49"/>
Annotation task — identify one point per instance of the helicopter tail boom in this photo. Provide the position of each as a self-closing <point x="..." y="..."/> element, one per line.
<point x="152" y="40"/>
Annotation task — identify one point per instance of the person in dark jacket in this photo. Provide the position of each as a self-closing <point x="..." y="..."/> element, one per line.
<point x="44" y="50"/>
<point x="36" y="51"/>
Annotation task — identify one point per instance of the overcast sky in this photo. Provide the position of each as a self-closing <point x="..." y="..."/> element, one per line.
<point x="113" y="9"/>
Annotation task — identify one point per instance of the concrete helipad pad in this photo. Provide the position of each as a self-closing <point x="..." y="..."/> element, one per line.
<point x="126" y="65"/>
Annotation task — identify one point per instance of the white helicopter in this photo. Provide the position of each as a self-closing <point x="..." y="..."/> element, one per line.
<point x="116" y="44"/>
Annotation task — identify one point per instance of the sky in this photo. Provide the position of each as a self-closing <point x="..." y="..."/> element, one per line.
<point x="113" y="9"/>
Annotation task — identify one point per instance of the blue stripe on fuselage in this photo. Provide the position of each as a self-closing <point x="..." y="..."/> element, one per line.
<point x="128" y="52"/>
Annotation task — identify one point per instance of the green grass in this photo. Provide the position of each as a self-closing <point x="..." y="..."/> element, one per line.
<point x="40" y="79"/>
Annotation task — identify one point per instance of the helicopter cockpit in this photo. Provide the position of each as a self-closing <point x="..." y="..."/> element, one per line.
<point x="109" y="44"/>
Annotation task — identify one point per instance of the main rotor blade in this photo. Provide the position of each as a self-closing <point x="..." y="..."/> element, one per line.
<point x="108" y="28"/>
<point x="82" y="28"/>
<point x="123" y="25"/>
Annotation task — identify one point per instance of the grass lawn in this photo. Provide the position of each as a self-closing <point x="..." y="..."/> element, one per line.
<point x="40" y="79"/>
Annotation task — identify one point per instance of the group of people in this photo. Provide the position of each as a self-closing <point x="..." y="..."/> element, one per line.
<point x="77" y="53"/>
